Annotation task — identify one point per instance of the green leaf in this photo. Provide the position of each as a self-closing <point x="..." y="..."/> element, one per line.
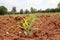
<point x="31" y="22"/>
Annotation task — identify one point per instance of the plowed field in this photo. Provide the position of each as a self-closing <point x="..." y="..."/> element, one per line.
<point x="48" y="28"/>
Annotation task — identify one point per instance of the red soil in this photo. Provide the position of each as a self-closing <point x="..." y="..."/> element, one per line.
<point x="49" y="28"/>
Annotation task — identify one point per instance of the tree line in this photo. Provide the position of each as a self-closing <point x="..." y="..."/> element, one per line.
<point x="4" y="10"/>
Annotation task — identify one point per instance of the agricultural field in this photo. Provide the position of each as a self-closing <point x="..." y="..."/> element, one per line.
<point x="43" y="26"/>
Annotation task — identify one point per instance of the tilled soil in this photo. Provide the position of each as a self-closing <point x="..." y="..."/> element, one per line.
<point x="49" y="28"/>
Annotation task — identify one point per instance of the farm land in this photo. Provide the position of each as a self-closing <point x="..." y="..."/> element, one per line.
<point x="30" y="26"/>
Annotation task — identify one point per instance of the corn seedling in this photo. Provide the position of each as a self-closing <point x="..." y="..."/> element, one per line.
<point x="26" y="25"/>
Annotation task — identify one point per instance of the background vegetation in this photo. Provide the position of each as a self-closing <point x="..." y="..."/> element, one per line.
<point x="4" y="10"/>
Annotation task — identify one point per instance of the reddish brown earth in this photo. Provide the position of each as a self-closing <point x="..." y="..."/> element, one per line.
<point x="49" y="28"/>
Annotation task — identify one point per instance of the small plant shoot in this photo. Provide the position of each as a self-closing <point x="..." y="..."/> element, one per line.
<point x="26" y="25"/>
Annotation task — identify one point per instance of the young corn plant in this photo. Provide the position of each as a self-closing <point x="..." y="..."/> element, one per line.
<point x="27" y="26"/>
